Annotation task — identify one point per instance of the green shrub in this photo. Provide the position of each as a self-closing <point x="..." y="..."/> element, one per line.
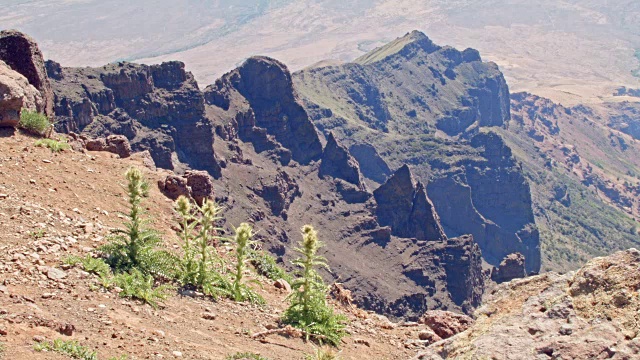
<point x="134" y="247"/>
<point x="246" y="356"/>
<point x="308" y="308"/>
<point x="34" y="122"/>
<point x="243" y="241"/>
<point x="53" y="145"/>
<point x="142" y="287"/>
<point x="266" y="265"/>
<point x="70" y="348"/>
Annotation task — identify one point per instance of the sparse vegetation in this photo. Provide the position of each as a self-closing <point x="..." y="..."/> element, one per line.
<point x="323" y="354"/>
<point x="70" y="348"/>
<point x="94" y="266"/>
<point x="34" y="122"/>
<point x="308" y="309"/>
<point x="53" y="145"/>
<point x="246" y="356"/>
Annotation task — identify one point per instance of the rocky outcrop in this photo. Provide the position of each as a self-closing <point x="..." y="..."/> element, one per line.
<point x="405" y="207"/>
<point x="446" y="323"/>
<point x="338" y="163"/>
<point x="159" y="108"/>
<point x="589" y="314"/>
<point x="194" y="184"/>
<point x="200" y="184"/>
<point x="16" y="94"/>
<point x="260" y="93"/>
<point x="511" y="267"/>
<point x="117" y="144"/>
<point x="21" y="53"/>
<point x="174" y="186"/>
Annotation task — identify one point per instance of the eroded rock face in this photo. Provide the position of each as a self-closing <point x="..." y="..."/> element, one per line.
<point x="15" y="94"/>
<point x="158" y="108"/>
<point x="405" y="207"/>
<point x="265" y="87"/>
<point x="21" y="53"/>
<point x="371" y="163"/>
<point x="589" y="314"/>
<point x="511" y="267"/>
<point x="278" y="191"/>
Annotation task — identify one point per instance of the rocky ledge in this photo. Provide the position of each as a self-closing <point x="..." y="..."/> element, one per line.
<point x="589" y="314"/>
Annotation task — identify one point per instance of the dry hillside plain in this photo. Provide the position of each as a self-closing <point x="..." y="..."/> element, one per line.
<point x="572" y="51"/>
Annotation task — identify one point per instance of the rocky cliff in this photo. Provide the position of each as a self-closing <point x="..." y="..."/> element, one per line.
<point x="158" y="108"/>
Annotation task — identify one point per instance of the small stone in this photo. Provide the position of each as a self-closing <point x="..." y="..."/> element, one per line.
<point x="282" y="284"/>
<point x="566" y="329"/>
<point x="177" y="354"/>
<point x="39" y="338"/>
<point x="55" y="274"/>
<point x="48" y="295"/>
<point x="3" y="331"/>
<point x="158" y="333"/>
<point x="209" y="316"/>
<point x="362" y="342"/>
<point x="3" y="196"/>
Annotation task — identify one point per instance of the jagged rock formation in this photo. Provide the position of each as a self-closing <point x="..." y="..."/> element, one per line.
<point x="511" y="267"/>
<point x="402" y="99"/>
<point x="265" y="86"/>
<point x="339" y="164"/>
<point x="158" y="108"/>
<point x="16" y="94"/>
<point x="261" y="182"/>
<point x="22" y="54"/>
<point x="589" y="314"/>
<point x="405" y="207"/>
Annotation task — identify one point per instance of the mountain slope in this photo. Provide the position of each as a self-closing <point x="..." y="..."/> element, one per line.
<point x="409" y="99"/>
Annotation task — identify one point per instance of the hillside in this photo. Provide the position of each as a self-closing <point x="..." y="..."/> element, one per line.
<point x="53" y="206"/>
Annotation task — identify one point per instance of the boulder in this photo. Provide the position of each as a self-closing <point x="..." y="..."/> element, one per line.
<point x="118" y="144"/>
<point x="22" y="54"/>
<point x="16" y="94"/>
<point x="446" y="323"/>
<point x="511" y="267"/>
<point x="174" y="186"/>
<point x="201" y="185"/>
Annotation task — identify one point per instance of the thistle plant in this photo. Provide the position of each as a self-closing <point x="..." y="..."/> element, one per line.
<point x="201" y="266"/>
<point x="189" y="266"/>
<point x="134" y="247"/>
<point x="243" y="241"/>
<point x="308" y="308"/>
